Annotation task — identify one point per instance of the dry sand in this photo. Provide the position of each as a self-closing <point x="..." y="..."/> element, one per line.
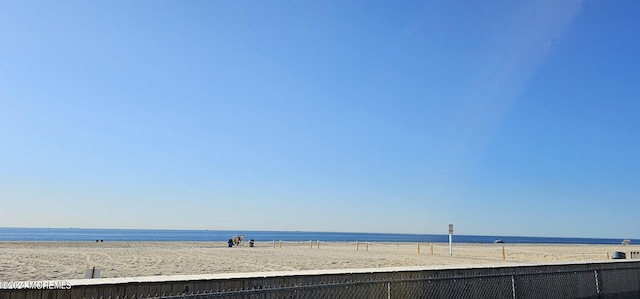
<point x="69" y="260"/>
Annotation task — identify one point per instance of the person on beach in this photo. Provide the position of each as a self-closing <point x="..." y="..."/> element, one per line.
<point x="230" y="242"/>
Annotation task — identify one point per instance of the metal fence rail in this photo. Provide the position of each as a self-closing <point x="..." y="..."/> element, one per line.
<point x="582" y="280"/>
<point x="603" y="283"/>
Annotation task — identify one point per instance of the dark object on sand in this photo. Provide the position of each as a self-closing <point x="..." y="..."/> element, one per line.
<point x="618" y="255"/>
<point x="251" y="243"/>
<point x="230" y="242"/>
<point x="498" y="241"/>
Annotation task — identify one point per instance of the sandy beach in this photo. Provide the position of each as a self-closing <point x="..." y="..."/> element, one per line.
<point x="69" y="260"/>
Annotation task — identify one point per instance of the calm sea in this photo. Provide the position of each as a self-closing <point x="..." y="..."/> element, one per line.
<point x="89" y="234"/>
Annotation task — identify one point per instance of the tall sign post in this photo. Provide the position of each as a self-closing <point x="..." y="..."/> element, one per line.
<point x="450" y="238"/>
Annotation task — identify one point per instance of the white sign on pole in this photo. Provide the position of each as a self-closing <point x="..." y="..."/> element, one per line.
<point x="450" y="239"/>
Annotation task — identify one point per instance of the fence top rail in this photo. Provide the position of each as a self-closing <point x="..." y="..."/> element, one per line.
<point x="224" y="276"/>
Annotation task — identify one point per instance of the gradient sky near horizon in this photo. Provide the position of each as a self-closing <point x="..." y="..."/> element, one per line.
<point x="501" y="117"/>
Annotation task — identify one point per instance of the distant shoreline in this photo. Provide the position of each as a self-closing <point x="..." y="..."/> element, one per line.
<point x="151" y="235"/>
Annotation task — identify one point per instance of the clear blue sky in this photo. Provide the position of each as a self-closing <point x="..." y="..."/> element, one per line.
<point x="502" y="117"/>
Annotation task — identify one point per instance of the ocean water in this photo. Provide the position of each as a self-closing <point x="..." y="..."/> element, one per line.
<point x="90" y="234"/>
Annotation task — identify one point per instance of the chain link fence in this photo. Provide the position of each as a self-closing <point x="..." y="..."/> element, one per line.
<point x="603" y="283"/>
